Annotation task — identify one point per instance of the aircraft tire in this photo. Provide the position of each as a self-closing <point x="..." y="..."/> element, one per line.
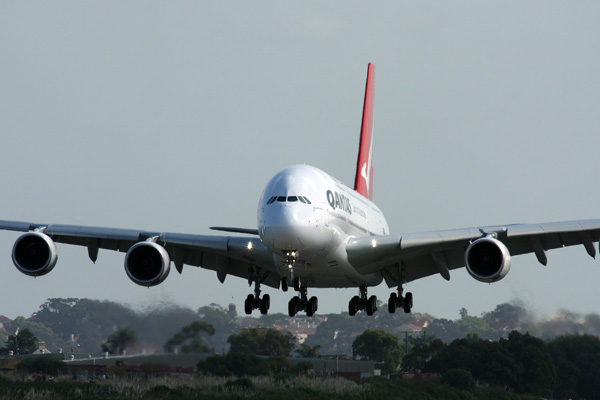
<point x="293" y="306"/>
<point x="371" y="305"/>
<point x="408" y="302"/>
<point x="284" y="284"/>
<point x="249" y="304"/>
<point x="265" y="304"/>
<point x="353" y="306"/>
<point x="392" y="303"/>
<point x="312" y="306"/>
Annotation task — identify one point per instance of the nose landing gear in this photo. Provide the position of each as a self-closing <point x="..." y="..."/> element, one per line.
<point x="254" y="301"/>
<point x="290" y="261"/>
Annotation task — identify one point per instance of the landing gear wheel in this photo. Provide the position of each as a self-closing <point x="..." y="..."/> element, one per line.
<point x="249" y="304"/>
<point x="392" y="303"/>
<point x="408" y="302"/>
<point x="293" y="306"/>
<point x="353" y="306"/>
<point x="312" y="306"/>
<point x="284" y="284"/>
<point x="297" y="284"/>
<point x="371" y="305"/>
<point x="265" y="304"/>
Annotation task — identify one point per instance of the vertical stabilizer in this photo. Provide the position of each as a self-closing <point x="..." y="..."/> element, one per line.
<point x="363" y="182"/>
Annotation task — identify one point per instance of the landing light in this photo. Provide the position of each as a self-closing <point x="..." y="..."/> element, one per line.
<point x="374" y="243"/>
<point x="249" y="246"/>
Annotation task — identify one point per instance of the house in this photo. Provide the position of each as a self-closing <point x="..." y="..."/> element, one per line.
<point x="4" y="322"/>
<point x="42" y="349"/>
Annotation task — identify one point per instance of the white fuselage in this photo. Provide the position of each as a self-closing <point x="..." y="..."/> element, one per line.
<point x="305" y="210"/>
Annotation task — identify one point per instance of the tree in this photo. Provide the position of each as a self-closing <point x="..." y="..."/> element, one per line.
<point x="263" y="342"/>
<point x="474" y="325"/>
<point x="224" y="322"/>
<point x="190" y="339"/>
<point x="460" y="379"/>
<point x="40" y="331"/>
<point x="506" y="316"/>
<point x="119" y="340"/>
<point x="535" y="371"/>
<point x="421" y="354"/>
<point x="577" y="360"/>
<point x="485" y="359"/>
<point x="378" y="345"/>
<point x="444" y="329"/>
<point x="521" y="362"/>
<point x="22" y="342"/>
<point x="91" y="321"/>
<point x="308" y="351"/>
<point x="42" y="365"/>
<point x="238" y="364"/>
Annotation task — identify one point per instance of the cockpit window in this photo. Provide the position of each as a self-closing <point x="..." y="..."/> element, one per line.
<point x="291" y="199"/>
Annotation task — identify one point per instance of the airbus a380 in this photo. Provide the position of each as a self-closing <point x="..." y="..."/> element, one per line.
<point x="313" y="232"/>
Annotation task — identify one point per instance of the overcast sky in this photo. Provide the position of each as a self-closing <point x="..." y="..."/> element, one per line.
<point x="172" y="116"/>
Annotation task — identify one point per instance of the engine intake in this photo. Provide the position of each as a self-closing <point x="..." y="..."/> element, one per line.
<point x="34" y="254"/>
<point x="487" y="260"/>
<point x="147" y="263"/>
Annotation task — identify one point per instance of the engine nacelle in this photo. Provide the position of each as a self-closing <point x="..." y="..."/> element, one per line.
<point x="34" y="254"/>
<point x="147" y="263"/>
<point x="487" y="259"/>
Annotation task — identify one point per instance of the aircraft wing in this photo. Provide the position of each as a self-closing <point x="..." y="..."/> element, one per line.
<point x="429" y="253"/>
<point x="227" y="255"/>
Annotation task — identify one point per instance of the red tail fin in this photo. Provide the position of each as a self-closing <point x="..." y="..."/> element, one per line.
<point x="363" y="182"/>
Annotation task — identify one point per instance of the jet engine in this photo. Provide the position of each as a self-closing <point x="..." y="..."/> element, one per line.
<point x="147" y="263"/>
<point x="34" y="254"/>
<point x="487" y="259"/>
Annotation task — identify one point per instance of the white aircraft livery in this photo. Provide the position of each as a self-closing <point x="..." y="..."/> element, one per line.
<point x="312" y="232"/>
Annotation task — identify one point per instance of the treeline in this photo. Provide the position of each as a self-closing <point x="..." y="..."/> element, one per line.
<point x="564" y="367"/>
<point x="83" y="325"/>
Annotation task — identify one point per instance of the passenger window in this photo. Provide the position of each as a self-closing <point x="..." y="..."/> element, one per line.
<point x="292" y="198"/>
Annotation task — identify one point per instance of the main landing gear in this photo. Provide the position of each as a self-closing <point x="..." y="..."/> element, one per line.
<point x="399" y="301"/>
<point x="254" y="302"/>
<point x="302" y="303"/>
<point x="359" y="303"/>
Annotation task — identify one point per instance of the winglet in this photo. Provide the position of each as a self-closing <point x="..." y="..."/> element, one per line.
<point x="363" y="181"/>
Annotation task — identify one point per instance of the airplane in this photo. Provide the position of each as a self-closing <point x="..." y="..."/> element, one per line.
<point x="312" y="232"/>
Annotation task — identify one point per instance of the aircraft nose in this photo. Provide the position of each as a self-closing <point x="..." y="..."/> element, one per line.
<point x="285" y="228"/>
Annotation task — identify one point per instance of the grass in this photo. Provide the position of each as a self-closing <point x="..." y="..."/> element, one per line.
<point x="260" y="388"/>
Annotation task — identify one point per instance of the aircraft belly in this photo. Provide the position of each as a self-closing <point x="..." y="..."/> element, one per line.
<point x="333" y="271"/>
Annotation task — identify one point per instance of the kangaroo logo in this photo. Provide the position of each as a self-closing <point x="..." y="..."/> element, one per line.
<point x="365" y="172"/>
